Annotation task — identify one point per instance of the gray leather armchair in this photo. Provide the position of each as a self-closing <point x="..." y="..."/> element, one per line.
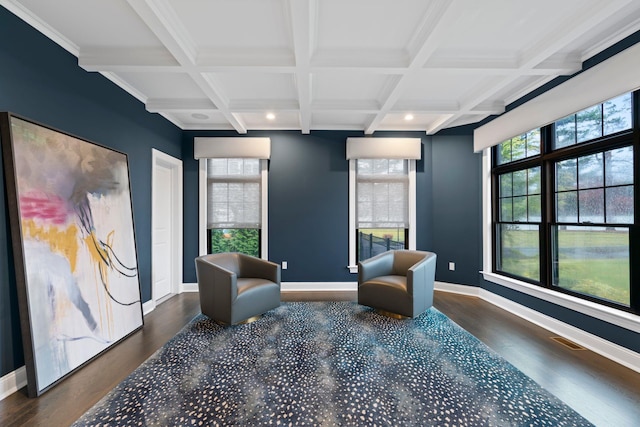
<point x="234" y="287"/>
<point x="399" y="282"/>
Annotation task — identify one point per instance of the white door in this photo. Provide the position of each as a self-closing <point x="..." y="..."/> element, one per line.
<point x="166" y="221"/>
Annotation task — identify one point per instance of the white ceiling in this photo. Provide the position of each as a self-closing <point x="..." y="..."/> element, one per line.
<point x="330" y="64"/>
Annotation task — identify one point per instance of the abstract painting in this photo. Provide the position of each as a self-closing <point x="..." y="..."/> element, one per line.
<point x="73" y="239"/>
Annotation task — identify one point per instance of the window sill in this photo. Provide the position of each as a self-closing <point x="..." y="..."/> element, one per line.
<point x="353" y="268"/>
<point x="608" y="314"/>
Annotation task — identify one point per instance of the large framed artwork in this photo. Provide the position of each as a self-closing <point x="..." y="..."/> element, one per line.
<point x="70" y="210"/>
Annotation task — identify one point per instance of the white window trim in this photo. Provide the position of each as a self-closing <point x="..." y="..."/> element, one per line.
<point x="202" y="208"/>
<point x="353" y="264"/>
<point x="608" y="314"/>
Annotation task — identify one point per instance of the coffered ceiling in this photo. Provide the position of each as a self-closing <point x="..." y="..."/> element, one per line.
<point x="330" y="64"/>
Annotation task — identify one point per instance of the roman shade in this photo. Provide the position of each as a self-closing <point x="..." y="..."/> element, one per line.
<point x="232" y="147"/>
<point x="234" y="193"/>
<point x="615" y="76"/>
<point x="382" y="189"/>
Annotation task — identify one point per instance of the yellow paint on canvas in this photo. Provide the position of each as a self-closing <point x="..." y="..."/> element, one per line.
<point x="60" y="241"/>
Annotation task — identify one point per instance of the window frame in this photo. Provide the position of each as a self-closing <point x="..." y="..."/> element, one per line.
<point x="202" y="211"/>
<point x="411" y="165"/>
<point x="523" y="165"/>
<point x="544" y="289"/>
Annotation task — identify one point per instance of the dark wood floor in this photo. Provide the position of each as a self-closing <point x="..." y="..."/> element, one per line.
<point x="604" y="392"/>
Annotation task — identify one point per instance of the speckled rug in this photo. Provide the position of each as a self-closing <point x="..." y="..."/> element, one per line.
<point x="327" y="364"/>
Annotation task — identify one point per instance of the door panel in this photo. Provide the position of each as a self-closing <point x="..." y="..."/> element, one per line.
<point x="162" y="233"/>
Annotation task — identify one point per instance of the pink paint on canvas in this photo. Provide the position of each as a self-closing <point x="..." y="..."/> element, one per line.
<point x="49" y="208"/>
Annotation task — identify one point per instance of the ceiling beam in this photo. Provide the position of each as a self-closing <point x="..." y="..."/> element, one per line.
<point x="156" y="105"/>
<point x="456" y="67"/>
<point x="153" y="60"/>
<point x="345" y="106"/>
<point x="303" y="18"/>
<point x="141" y="59"/>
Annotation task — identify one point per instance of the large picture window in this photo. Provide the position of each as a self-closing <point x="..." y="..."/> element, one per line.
<point x="564" y="205"/>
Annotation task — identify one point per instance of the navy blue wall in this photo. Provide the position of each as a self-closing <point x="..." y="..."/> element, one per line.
<point x="309" y="206"/>
<point x="41" y="81"/>
<point x="309" y="202"/>
<point x="457" y="202"/>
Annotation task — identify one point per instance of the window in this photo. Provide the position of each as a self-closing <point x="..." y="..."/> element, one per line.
<point x="519" y="147"/>
<point x="233" y="194"/>
<point x="600" y="120"/>
<point x="563" y="205"/>
<point x="382" y="195"/>
<point x="234" y="206"/>
<point x="519" y="207"/>
<point x="590" y="237"/>
<point x="518" y="231"/>
<point x="382" y="210"/>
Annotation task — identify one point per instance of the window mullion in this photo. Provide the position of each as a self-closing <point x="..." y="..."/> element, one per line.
<point x="634" y="232"/>
<point x="548" y="216"/>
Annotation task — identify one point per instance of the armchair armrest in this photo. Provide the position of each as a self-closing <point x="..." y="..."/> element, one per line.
<point x="379" y="265"/>
<point x="214" y="279"/>
<point x="260" y="268"/>
<point x="423" y="270"/>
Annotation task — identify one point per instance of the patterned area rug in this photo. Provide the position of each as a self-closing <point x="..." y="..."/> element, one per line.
<point x="328" y="364"/>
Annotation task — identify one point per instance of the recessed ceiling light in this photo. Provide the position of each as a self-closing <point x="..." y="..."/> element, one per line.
<point x="271" y="116"/>
<point x="199" y="116"/>
<point x="408" y="117"/>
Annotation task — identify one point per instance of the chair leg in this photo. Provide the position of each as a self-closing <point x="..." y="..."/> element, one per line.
<point x="392" y="315"/>
<point x="250" y="320"/>
<point x="244" y="322"/>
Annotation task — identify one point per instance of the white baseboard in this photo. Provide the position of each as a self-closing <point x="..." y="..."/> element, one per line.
<point x="188" y="287"/>
<point x="612" y="351"/>
<point x="148" y="307"/>
<point x="13" y="382"/>
<point x="457" y="289"/>
<point x="17" y="379"/>
<point x="615" y="352"/>
<point x="621" y="318"/>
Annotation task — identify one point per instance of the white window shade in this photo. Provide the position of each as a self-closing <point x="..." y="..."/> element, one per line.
<point x="232" y="147"/>
<point x="384" y="148"/>
<point x="233" y="193"/>
<point x="615" y="76"/>
<point x="382" y="188"/>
